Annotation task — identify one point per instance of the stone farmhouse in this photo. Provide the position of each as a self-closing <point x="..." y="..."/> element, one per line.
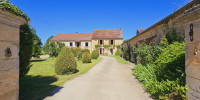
<point x="105" y="41"/>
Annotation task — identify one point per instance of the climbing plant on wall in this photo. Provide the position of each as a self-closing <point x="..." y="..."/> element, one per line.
<point x="5" y="5"/>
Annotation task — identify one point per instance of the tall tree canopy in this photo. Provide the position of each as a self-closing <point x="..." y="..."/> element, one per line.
<point x="46" y="46"/>
<point x="36" y="51"/>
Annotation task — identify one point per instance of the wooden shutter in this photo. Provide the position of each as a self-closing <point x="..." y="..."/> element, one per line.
<point x="98" y="41"/>
<point x="83" y="44"/>
<point x="103" y="42"/>
<point x="109" y="42"/>
<point x="113" y="42"/>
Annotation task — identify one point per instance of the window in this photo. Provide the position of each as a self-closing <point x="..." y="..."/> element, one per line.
<point x="86" y="44"/>
<point x="101" y="42"/>
<point x="78" y="44"/>
<point x="111" y="42"/>
<point x="71" y="44"/>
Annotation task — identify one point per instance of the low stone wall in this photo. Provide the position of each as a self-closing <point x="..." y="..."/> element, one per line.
<point x="9" y="55"/>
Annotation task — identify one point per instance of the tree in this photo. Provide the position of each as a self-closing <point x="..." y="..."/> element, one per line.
<point x="26" y="43"/>
<point x="46" y="46"/>
<point x="55" y="48"/>
<point x="36" y="44"/>
<point x="4" y="1"/>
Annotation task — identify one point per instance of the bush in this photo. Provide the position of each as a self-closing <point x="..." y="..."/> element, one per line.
<point x="65" y="62"/>
<point x="118" y="53"/>
<point x="164" y="89"/>
<point x="86" y="58"/>
<point x="80" y="55"/>
<point x="171" y="62"/>
<point x="165" y="78"/>
<point x="85" y="50"/>
<point x="126" y="53"/>
<point x="146" y="53"/>
<point x="25" y="53"/>
<point x="95" y="54"/>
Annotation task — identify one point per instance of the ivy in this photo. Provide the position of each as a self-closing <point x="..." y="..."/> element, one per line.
<point x="5" y="5"/>
<point x="107" y="46"/>
<point x="98" y="45"/>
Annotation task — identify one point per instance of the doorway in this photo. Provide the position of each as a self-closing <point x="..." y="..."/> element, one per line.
<point x="100" y="51"/>
<point x="77" y="44"/>
<point x="111" y="51"/>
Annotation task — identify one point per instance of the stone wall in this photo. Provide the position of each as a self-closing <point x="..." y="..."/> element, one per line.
<point x="166" y="25"/>
<point x="9" y="55"/>
<point x="192" y="34"/>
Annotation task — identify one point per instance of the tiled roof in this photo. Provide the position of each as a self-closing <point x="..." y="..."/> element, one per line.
<point x="72" y="37"/>
<point x="140" y="31"/>
<point x="107" y="34"/>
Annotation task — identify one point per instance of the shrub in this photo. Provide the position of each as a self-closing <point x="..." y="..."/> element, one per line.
<point x="126" y="53"/>
<point x="85" y="50"/>
<point x="164" y="89"/>
<point x="165" y="79"/>
<point x="171" y="62"/>
<point x="25" y="53"/>
<point x="80" y="55"/>
<point x="118" y="53"/>
<point x="95" y="54"/>
<point x="146" y="53"/>
<point x="65" y="62"/>
<point x="86" y="58"/>
<point x="75" y="51"/>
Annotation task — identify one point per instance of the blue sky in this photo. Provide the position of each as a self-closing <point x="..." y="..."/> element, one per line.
<point x="50" y="17"/>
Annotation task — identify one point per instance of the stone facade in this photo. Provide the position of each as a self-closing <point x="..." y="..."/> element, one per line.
<point x="9" y="58"/>
<point x="110" y="40"/>
<point x="192" y="34"/>
<point x="81" y="44"/>
<point x="107" y="51"/>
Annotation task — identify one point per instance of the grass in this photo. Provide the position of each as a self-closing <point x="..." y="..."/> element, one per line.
<point x="120" y="59"/>
<point x="42" y="78"/>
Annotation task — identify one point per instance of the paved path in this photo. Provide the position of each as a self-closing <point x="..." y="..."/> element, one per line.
<point x="108" y="80"/>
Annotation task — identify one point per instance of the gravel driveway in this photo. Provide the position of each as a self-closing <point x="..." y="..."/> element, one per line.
<point x="108" y="80"/>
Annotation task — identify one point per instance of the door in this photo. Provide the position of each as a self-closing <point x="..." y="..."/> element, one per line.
<point x="100" y="51"/>
<point x="111" y="51"/>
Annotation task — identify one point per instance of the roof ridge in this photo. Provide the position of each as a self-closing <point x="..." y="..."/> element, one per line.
<point x="106" y="29"/>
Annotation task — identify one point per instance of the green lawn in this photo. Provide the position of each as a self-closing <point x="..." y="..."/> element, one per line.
<point x="42" y="79"/>
<point x="120" y="59"/>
